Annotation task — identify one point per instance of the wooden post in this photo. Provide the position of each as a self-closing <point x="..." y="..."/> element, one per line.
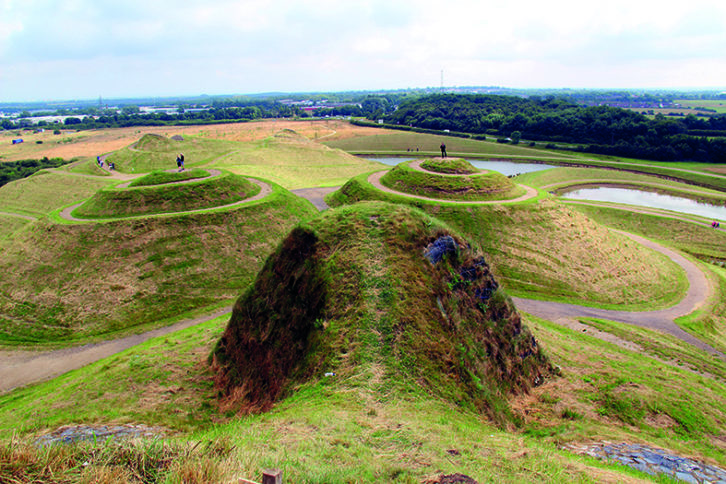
<point x="272" y="476"/>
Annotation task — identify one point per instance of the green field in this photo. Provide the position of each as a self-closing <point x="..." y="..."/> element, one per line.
<point x="428" y="145"/>
<point x="593" y="265"/>
<point x="380" y="394"/>
<point x="46" y="191"/>
<point x="154" y="152"/>
<point x="718" y="105"/>
<point x="294" y="162"/>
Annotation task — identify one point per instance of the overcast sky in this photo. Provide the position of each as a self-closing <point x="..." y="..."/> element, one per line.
<point x="83" y="49"/>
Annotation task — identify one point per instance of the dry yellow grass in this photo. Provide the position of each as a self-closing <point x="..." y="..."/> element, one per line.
<point x="70" y="144"/>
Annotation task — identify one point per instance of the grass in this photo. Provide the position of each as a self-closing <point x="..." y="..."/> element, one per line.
<point x="293" y="162"/>
<point x="449" y="166"/>
<point x="10" y="224"/>
<point x="45" y="192"/>
<point x="698" y="240"/>
<point x="85" y="280"/>
<point x="429" y="145"/>
<point x="149" y="200"/>
<point x="87" y="167"/>
<point x="592" y="265"/>
<point x="156" y="152"/>
<point x="559" y="178"/>
<point x="479" y="187"/>
<point x="704" y="243"/>
<point x="163" y="177"/>
<point x="365" y="428"/>
<point x="718" y="105"/>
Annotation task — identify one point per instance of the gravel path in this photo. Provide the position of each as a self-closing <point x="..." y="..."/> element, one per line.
<point x="20" y="368"/>
<point x="699" y="291"/>
<point x="663" y="320"/>
<point x="315" y="195"/>
<point x="18" y="215"/>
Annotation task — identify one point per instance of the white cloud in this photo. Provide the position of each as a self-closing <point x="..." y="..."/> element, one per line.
<point x="231" y="46"/>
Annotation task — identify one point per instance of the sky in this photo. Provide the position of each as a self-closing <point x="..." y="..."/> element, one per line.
<point x="85" y="49"/>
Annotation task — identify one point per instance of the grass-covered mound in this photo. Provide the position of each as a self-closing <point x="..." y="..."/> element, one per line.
<point x="75" y="282"/>
<point x="451" y="166"/>
<point x="155" y="152"/>
<point x="159" y="177"/>
<point x="479" y="187"/>
<point x="550" y="251"/>
<point x="169" y="198"/>
<point x="377" y="284"/>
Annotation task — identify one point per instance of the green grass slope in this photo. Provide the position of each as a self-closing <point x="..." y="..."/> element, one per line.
<point x="155" y="152"/>
<point x="548" y="251"/>
<point x="159" y="177"/>
<point x="367" y="427"/>
<point x="453" y="166"/>
<point x="475" y="187"/>
<point x="358" y="286"/>
<point x="167" y="198"/>
<point x="429" y="144"/>
<point x="46" y="191"/>
<point x="70" y="283"/>
<point x="293" y="161"/>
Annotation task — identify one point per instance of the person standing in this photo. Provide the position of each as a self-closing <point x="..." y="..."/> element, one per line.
<point x="443" y="150"/>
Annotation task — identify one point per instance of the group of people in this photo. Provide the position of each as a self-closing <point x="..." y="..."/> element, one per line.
<point x="111" y="165"/>
<point x="715" y="224"/>
<point x="180" y="161"/>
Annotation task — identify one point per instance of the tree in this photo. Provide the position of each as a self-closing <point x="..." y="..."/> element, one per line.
<point x="516" y="136"/>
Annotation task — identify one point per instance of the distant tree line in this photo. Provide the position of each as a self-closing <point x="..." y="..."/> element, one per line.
<point x="597" y="129"/>
<point x="14" y="170"/>
<point x="228" y="110"/>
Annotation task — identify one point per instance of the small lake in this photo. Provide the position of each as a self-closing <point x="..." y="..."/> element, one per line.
<point x="508" y="168"/>
<point x="631" y="196"/>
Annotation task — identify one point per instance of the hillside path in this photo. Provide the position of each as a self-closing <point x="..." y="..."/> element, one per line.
<point x="699" y="291"/>
<point x="265" y="189"/>
<point x="375" y="180"/>
<point x="20" y="368"/>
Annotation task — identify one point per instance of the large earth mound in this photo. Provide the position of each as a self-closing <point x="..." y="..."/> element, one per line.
<point x="383" y="287"/>
<point x="483" y="186"/>
<point x="155" y="142"/>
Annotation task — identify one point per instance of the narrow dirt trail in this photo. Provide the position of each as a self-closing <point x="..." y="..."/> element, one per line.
<point x="265" y="189"/>
<point x="699" y="290"/>
<point x="375" y="180"/>
<point x="20" y="368"/>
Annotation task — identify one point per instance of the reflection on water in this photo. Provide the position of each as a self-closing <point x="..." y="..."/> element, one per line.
<point x="507" y="168"/>
<point x="632" y="196"/>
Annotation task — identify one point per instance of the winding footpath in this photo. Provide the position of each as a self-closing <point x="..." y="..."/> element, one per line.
<point x="20" y="368"/>
<point x="698" y="293"/>
<point x="265" y="189"/>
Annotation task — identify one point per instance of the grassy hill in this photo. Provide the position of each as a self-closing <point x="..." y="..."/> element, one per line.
<point x="167" y="198"/>
<point x="156" y="152"/>
<point x="293" y="161"/>
<point x="548" y="251"/>
<point x="473" y="187"/>
<point x="69" y="283"/>
<point x="381" y="284"/>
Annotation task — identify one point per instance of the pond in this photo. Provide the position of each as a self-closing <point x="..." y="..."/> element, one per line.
<point x="631" y="196"/>
<point x="508" y="168"/>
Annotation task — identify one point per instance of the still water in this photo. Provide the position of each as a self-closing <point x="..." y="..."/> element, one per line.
<point x="649" y="199"/>
<point x="504" y="167"/>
